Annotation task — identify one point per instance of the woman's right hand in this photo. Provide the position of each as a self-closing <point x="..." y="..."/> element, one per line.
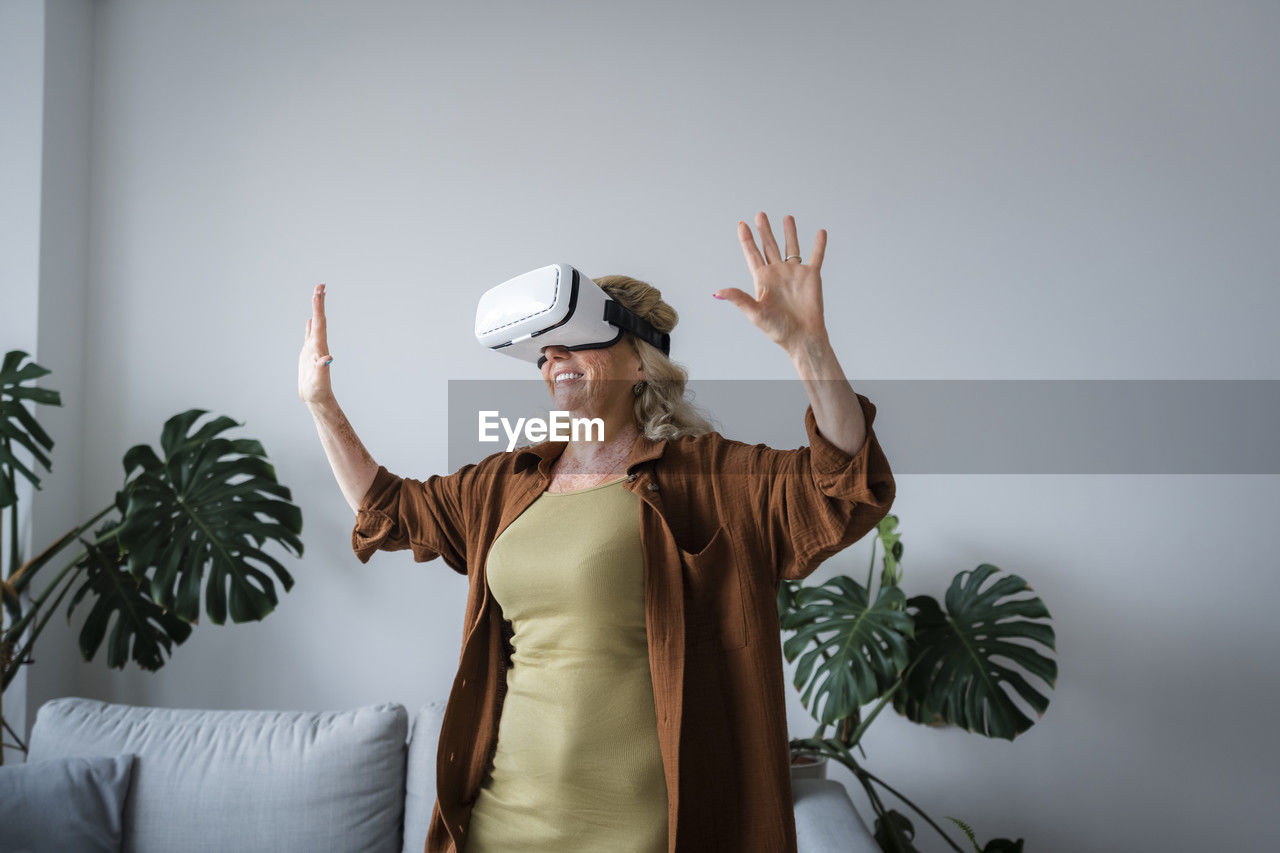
<point x="313" y="363"/>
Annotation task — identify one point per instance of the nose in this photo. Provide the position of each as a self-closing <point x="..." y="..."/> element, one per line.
<point x="553" y="353"/>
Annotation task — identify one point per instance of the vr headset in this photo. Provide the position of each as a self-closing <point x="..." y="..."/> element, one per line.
<point x="556" y="305"/>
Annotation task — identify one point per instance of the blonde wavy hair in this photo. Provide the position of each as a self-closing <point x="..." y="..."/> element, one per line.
<point x="662" y="410"/>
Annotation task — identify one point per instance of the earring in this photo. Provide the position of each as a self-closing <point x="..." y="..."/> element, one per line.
<point x="638" y="388"/>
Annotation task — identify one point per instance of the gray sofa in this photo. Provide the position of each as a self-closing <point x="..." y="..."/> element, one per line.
<point x="307" y="781"/>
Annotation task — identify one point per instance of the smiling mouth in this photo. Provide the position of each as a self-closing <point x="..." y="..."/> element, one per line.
<point x="567" y="377"/>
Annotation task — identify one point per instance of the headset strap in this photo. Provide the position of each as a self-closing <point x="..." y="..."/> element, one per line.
<point x="623" y="318"/>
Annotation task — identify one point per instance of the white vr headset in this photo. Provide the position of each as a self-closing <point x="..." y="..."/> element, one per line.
<point x="556" y="305"/>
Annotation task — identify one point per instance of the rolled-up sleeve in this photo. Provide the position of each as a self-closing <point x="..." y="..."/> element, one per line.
<point x="816" y="501"/>
<point x="428" y="516"/>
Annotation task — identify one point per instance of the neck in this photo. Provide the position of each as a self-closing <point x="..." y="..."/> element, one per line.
<point x="620" y="433"/>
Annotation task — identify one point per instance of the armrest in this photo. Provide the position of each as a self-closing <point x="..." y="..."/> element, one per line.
<point x="826" y="821"/>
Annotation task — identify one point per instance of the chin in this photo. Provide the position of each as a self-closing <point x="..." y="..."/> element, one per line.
<point x="572" y="398"/>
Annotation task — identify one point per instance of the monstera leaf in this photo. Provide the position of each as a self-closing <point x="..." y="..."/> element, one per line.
<point x="189" y="522"/>
<point x="895" y="833"/>
<point x="141" y="628"/>
<point x="956" y="677"/>
<point x="891" y="540"/>
<point x="19" y="426"/>
<point x="852" y="651"/>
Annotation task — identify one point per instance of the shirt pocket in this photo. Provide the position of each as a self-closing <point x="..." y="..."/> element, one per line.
<point x="714" y="608"/>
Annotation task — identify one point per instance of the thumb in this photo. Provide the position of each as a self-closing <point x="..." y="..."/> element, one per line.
<point x="743" y="300"/>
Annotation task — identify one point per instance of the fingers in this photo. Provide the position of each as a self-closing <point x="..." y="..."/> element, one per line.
<point x="317" y="322"/>
<point x="771" y="253"/>
<point x="819" y="249"/>
<point x="749" y="250"/>
<point x="317" y="304"/>
<point x="766" y="239"/>
<point x="793" y="242"/>
<point x="321" y="360"/>
<point x="316" y="326"/>
<point x="742" y="299"/>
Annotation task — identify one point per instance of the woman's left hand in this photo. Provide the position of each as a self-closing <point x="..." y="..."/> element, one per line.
<point x="788" y="302"/>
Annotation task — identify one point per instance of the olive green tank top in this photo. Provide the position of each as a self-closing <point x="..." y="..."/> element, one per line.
<point x="577" y="766"/>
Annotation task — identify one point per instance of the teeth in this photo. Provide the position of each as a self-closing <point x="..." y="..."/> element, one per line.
<point x="564" y="376"/>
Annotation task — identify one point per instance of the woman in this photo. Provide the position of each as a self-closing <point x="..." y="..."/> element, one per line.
<point x="620" y="684"/>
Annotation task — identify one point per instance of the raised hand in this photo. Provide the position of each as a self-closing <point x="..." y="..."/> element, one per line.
<point x="787" y="305"/>
<point x="313" y="362"/>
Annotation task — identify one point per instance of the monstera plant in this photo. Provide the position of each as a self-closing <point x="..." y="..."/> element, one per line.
<point x="938" y="667"/>
<point x="195" y="515"/>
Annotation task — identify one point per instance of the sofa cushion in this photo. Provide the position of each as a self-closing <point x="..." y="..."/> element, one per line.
<point x="420" y="778"/>
<point x="209" y="781"/>
<point x="73" y="803"/>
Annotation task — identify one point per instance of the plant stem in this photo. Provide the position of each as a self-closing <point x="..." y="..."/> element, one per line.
<point x="836" y="750"/>
<point x="11" y="480"/>
<point x="879" y="809"/>
<point x="884" y="700"/>
<point x="15" y="630"/>
<point x="22" y="577"/>
<point x="898" y="794"/>
<point x="53" y="608"/>
<point x="871" y="567"/>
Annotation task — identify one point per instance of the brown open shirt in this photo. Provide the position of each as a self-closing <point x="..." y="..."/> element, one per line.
<point x="722" y="522"/>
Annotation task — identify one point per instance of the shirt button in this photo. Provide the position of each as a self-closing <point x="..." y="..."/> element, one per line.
<point x="451" y="755"/>
<point x="631" y="478"/>
<point x="653" y="487"/>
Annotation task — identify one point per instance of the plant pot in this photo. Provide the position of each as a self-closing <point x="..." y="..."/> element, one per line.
<point x="807" y="766"/>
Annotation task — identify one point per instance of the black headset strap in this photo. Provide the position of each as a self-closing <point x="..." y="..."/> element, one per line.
<point x="623" y="318"/>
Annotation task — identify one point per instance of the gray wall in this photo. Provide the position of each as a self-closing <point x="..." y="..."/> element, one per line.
<point x="45" y="81"/>
<point x="21" y="106"/>
<point x="1010" y="190"/>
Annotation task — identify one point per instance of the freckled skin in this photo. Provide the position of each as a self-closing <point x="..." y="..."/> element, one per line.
<point x="603" y="392"/>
